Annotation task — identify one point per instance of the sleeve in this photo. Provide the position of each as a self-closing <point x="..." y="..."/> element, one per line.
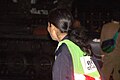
<point x="103" y="36"/>
<point x="63" y="68"/>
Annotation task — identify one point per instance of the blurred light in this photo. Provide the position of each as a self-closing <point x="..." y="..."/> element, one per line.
<point x="33" y="1"/>
<point x="15" y="1"/>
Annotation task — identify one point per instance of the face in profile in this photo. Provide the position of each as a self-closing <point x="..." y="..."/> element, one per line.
<point x="52" y="31"/>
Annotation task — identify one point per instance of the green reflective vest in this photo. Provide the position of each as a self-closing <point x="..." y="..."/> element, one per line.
<point x="81" y="64"/>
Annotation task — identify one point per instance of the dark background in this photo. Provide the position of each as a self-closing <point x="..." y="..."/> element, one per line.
<point x="26" y="49"/>
<point x="24" y="16"/>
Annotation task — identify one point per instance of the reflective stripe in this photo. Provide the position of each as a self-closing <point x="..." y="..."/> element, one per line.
<point x="79" y="76"/>
<point x="83" y="77"/>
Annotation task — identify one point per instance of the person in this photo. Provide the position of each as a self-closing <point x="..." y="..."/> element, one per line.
<point x="111" y="59"/>
<point x="72" y="60"/>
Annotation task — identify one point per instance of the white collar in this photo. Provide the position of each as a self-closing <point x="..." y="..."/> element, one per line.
<point x="116" y="22"/>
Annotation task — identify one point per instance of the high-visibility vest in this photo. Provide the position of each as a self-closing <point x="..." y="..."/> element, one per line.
<point x="84" y="67"/>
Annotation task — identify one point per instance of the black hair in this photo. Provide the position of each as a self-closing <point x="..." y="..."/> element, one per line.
<point x="63" y="20"/>
<point x="81" y="38"/>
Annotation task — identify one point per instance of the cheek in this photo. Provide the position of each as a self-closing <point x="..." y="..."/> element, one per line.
<point x="53" y="35"/>
<point x="48" y="29"/>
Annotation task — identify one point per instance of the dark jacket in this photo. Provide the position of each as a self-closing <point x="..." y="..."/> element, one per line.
<point x="63" y="65"/>
<point x="63" y="68"/>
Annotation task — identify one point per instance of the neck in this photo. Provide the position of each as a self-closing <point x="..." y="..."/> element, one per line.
<point x="61" y="36"/>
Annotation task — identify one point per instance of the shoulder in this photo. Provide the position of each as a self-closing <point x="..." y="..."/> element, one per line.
<point x="108" y="30"/>
<point x="63" y="49"/>
<point x="110" y="25"/>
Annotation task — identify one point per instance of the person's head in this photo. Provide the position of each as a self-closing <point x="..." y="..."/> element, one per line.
<point x="59" y="23"/>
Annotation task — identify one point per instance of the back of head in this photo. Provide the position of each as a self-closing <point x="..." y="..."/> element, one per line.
<point x="79" y="35"/>
<point x="81" y="38"/>
<point x="61" y="18"/>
